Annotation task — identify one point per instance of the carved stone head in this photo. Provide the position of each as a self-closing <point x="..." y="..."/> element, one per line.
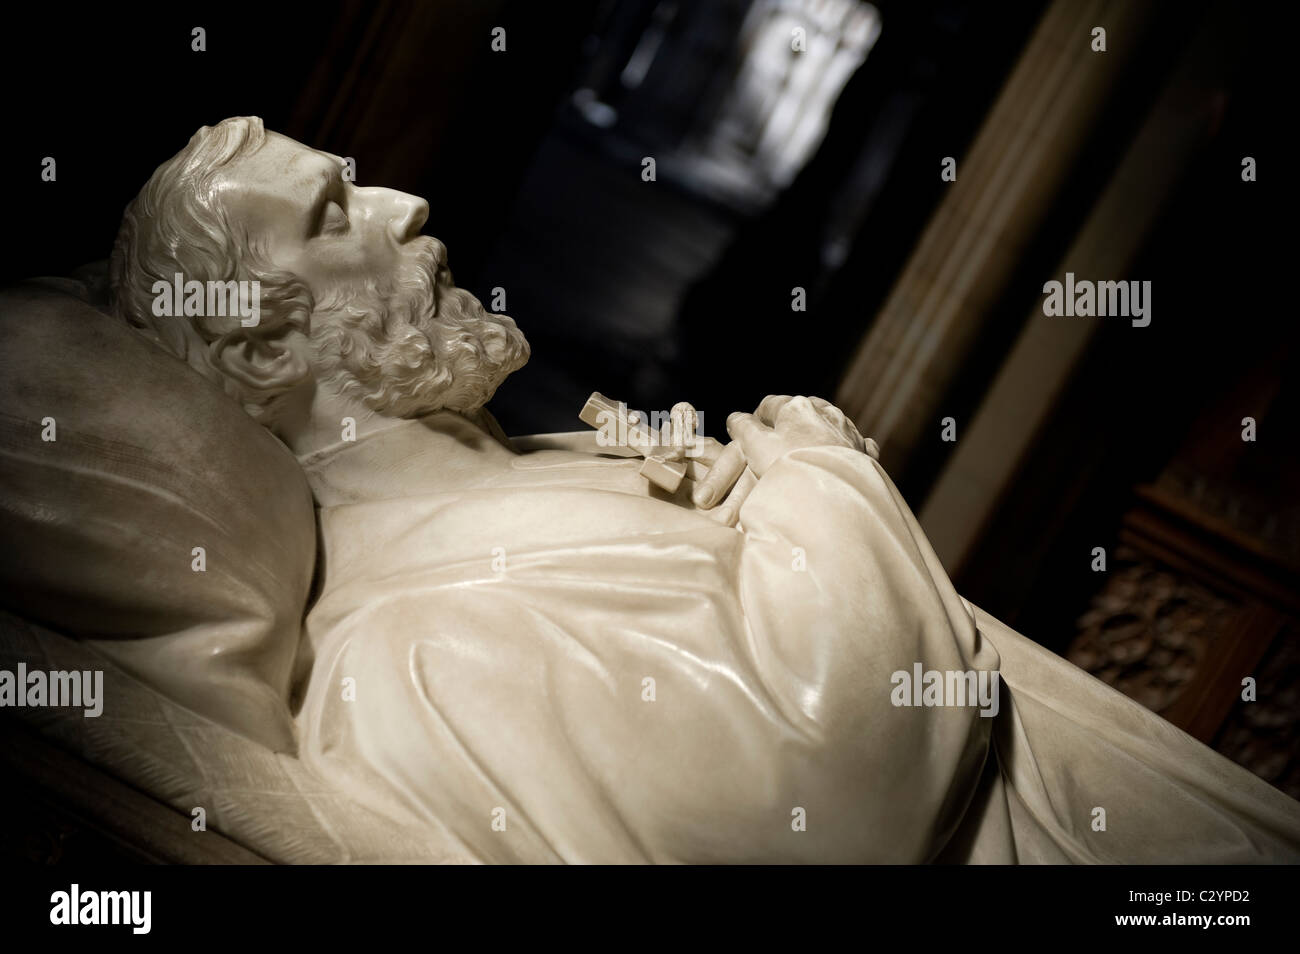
<point x="354" y="305"/>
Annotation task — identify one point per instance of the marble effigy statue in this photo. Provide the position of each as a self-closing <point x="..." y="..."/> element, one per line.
<point x="532" y="649"/>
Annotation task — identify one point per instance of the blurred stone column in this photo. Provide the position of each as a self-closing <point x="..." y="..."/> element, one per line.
<point x="1024" y="393"/>
<point x="1005" y="186"/>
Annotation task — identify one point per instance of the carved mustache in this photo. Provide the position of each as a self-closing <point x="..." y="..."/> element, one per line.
<point x="431" y="259"/>
<point x="432" y="280"/>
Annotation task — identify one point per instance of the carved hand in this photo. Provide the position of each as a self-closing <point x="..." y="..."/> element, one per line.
<point x="780" y="424"/>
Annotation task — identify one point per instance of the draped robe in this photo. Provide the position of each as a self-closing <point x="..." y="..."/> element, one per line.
<point x="554" y="665"/>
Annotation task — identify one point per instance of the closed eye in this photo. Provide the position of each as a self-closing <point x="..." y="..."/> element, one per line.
<point x="333" y="220"/>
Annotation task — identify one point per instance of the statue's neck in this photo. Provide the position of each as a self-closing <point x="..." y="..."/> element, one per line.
<point x="442" y="452"/>
<point x="316" y="420"/>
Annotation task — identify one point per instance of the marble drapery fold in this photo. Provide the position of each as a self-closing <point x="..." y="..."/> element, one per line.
<point x="523" y="687"/>
<point x="498" y="642"/>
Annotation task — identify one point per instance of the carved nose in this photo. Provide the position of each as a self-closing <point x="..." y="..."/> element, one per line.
<point x="411" y="214"/>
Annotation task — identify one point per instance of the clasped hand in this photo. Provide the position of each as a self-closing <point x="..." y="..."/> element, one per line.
<point x="780" y="424"/>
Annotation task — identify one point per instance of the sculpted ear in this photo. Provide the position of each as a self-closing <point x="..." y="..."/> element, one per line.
<point x="259" y="361"/>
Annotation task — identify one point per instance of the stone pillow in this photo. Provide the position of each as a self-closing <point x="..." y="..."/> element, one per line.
<point x="143" y="511"/>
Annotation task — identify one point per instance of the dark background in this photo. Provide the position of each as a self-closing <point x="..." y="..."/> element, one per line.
<point x="675" y="290"/>
<point x="623" y="286"/>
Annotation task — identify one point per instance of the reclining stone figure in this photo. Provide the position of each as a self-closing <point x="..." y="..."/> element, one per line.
<point x="540" y="654"/>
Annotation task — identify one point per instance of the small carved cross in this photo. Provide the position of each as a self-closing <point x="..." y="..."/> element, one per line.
<point x="665" y="452"/>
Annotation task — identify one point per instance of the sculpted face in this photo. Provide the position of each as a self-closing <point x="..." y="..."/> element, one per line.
<point x="358" y="311"/>
<point x="294" y="204"/>
<point x="388" y="326"/>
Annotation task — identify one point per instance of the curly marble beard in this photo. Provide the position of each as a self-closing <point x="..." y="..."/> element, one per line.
<point x="415" y="344"/>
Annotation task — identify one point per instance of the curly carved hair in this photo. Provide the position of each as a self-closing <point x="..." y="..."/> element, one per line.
<point x="178" y="225"/>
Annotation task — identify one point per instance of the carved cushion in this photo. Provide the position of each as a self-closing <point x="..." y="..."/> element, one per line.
<point x="144" y="511"/>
